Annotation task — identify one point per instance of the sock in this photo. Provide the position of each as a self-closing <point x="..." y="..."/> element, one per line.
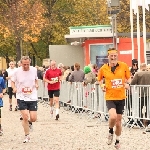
<point x="51" y="108"/>
<point x="27" y="135"/>
<point x="111" y="130"/>
<point x="117" y="139"/>
<point x="57" y="111"/>
<point x="30" y="122"/>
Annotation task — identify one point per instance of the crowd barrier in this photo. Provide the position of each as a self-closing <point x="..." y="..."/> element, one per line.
<point x="91" y="98"/>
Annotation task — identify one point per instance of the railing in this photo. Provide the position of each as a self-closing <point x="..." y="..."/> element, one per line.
<point x="90" y="99"/>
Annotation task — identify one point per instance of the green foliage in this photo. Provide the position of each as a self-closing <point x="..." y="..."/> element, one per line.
<point x="33" y="25"/>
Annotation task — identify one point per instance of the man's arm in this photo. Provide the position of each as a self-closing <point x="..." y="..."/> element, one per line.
<point x="100" y="77"/>
<point x="13" y="87"/>
<point x="128" y="78"/>
<point x="6" y="76"/>
<point x="101" y="80"/>
<point x="13" y="80"/>
<point x="36" y="84"/>
<point x="46" y="80"/>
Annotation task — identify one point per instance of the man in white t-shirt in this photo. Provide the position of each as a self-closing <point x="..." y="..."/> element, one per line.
<point x="25" y="84"/>
<point x="10" y="72"/>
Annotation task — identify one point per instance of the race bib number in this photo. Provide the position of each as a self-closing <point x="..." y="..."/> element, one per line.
<point x="26" y="90"/>
<point x="55" y="79"/>
<point x="116" y="83"/>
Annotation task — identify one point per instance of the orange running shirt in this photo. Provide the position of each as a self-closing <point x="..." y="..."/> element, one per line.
<point x="114" y="82"/>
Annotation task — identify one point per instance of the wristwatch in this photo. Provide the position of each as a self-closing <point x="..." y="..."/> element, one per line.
<point x="127" y="83"/>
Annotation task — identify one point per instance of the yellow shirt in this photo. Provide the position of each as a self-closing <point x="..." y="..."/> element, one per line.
<point x="114" y="82"/>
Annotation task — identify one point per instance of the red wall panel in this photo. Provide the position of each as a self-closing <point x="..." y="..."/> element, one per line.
<point x="125" y="44"/>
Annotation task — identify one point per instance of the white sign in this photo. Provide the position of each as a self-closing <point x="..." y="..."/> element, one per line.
<point x="126" y="52"/>
<point x="90" y="30"/>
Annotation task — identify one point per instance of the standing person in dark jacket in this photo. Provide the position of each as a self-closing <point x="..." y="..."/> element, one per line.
<point x="72" y="69"/>
<point x="134" y="68"/>
<point x="77" y="75"/>
<point x="142" y="78"/>
<point x="39" y="73"/>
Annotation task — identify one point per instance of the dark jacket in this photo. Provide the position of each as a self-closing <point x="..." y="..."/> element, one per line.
<point x="142" y="78"/>
<point x="40" y="74"/>
<point x="90" y="78"/>
<point x="76" y="76"/>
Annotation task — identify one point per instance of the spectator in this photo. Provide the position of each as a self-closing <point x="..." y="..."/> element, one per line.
<point x="72" y="69"/>
<point x="39" y="73"/>
<point x="77" y="75"/>
<point x="89" y="76"/>
<point x="66" y="71"/>
<point x="142" y="78"/>
<point x="134" y="67"/>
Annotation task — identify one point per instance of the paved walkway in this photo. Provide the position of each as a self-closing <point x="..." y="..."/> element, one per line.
<point x="69" y="133"/>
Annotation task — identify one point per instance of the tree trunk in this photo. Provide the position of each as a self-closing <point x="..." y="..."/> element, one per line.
<point x="7" y="61"/>
<point x="18" y="50"/>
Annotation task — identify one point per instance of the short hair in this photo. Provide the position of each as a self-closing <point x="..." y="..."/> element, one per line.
<point x="25" y="58"/>
<point x="77" y="66"/>
<point x="60" y="65"/>
<point x="112" y="49"/>
<point x="143" y="65"/>
<point x="12" y="62"/>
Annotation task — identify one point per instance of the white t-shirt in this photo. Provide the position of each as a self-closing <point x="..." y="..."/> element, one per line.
<point x="25" y="84"/>
<point x="10" y="74"/>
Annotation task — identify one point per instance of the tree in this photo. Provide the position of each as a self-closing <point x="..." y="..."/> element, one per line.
<point x="66" y="13"/>
<point x="22" y="20"/>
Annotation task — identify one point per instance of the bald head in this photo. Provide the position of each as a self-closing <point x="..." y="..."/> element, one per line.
<point x="53" y="64"/>
<point x="143" y="67"/>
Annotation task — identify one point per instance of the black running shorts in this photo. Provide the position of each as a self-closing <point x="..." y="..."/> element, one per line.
<point x="29" y="105"/>
<point x="54" y="93"/>
<point x="10" y="93"/>
<point x="117" y="104"/>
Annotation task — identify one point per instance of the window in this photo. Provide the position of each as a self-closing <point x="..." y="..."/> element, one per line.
<point x="98" y="54"/>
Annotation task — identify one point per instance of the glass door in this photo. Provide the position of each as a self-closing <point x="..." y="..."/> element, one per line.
<point x="98" y="54"/>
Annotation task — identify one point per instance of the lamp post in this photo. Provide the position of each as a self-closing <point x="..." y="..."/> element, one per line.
<point x="113" y="9"/>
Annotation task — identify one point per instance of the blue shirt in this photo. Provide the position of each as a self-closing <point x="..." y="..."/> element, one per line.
<point x="2" y="86"/>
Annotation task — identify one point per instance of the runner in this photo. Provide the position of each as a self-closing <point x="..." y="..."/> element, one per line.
<point x="25" y="84"/>
<point x="10" y="72"/>
<point x="116" y="75"/>
<point x="30" y="124"/>
<point x="2" y="87"/>
<point x="53" y="78"/>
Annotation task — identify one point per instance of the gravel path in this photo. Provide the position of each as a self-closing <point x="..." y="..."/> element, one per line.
<point x="71" y="132"/>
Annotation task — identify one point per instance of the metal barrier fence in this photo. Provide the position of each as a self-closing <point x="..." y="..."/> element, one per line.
<point x="90" y="99"/>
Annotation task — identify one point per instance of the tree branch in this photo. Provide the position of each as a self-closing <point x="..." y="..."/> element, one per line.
<point x="35" y="51"/>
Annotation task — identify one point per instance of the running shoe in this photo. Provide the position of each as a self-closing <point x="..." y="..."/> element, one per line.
<point x="110" y="139"/>
<point x="57" y="116"/>
<point x="117" y="146"/>
<point x="10" y="108"/>
<point x="51" y="112"/>
<point x="26" y="139"/>
<point x="16" y="108"/>
<point x="30" y="127"/>
<point x="1" y="132"/>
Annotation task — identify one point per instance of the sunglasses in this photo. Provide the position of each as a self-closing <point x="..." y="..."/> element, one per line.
<point x="135" y="64"/>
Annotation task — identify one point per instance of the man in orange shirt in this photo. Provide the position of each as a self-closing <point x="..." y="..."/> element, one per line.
<point x="117" y="78"/>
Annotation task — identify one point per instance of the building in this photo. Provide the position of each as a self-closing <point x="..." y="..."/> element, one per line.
<point x="3" y="64"/>
<point x="96" y="40"/>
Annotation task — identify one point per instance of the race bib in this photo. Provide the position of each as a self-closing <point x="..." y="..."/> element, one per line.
<point x="55" y="79"/>
<point x="26" y="90"/>
<point x="116" y="83"/>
